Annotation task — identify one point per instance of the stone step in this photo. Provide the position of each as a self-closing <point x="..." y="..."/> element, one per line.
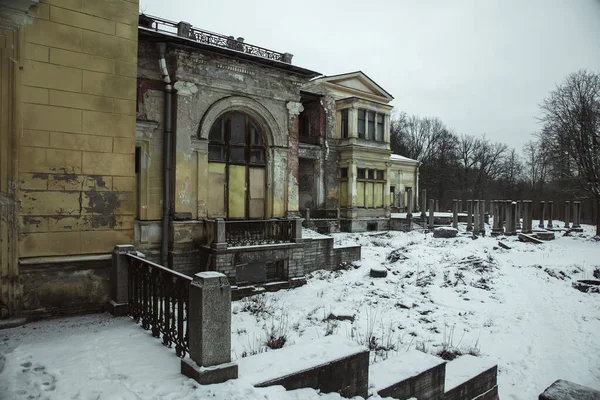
<point x="411" y="374"/>
<point x="469" y="377"/>
<point x="566" y="390"/>
<point x="330" y="364"/>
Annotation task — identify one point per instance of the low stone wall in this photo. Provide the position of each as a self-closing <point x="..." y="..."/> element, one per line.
<point x="364" y="225"/>
<point x="346" y="254"/>
<point x="65" y="285"/>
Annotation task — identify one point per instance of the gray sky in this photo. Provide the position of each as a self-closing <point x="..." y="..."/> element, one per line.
<point x="482" y="66"/>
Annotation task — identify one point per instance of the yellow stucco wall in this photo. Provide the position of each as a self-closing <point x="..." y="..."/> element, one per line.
<point x="77" y="142"/>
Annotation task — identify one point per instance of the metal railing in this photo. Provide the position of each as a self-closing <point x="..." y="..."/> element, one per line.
<point x="159" y="301"/>
<point x="214" y="39"/>
<point x="259" y="232"/>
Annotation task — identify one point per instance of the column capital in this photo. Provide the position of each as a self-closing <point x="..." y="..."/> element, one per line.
<point x="294" y="107"/>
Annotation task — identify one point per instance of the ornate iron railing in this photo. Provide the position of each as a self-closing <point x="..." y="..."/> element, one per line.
<point x="248" y="233"/>
<point x="210" y="38"/>
<point x="159" y="301"/>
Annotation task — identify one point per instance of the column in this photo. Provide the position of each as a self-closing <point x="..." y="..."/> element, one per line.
<point x="507" y="217"/>
<point x="119" y="280"/>
<point x="550" y="214"/>
<point x="476" y="217"/>
<point x="576" y="215"/>
<point x="455" y="214"/>
<point x="423" y="203"/>
<point x="513" y="219"/>
<point x="469" y="215"/>
<point x="209" y="327"/>
<point x="496" y="217"/>
<point x="519" y="208"/>
<point x="500" y="205"/>
<point x="526" y="216"/>
<point x="437" y="206"/>
<point x="542" y="214"/>
<point x="482" y="217"/>
<point x="431" y="208"/>
<point x="410" y="202"/>
<point x="567" y="209"/>
<point x="294" y="109"/>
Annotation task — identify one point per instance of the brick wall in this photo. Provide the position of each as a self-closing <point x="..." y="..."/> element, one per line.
<point x="76" y="153"/>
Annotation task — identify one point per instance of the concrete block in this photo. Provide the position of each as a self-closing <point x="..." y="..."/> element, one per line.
<point x="80" y="20"/>
<point x="51" y="118"/>
<point x="127" y="31"/>
<point x="566" y="390"/>
<point x="107" y="163"/>
<point x="80" y="60"/>
<point x="51" y="76"/>
<point x="210" y="319"/>
<point x="33" y="138"/>
<point x="330" y="364"/>
<point x="209" y="375"/>
<point x="468" y="377"/>
<point x="102" y="124"/>
<point x="54" y="35"/>
<point x="30" y="94"/>
<point x="121" y="87"/>
<point x="73" y="141"/>
<point x="49" y="244"/>
<point x="109" y="46"/>
<point x="411" y="374"/>
<point x="80" y="101"/>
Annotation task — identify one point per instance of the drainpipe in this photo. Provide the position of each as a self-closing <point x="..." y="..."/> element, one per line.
<point x="167" y="139"/>
<point x="326" y="155"/>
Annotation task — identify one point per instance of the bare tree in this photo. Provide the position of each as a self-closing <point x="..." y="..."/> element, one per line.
<point x="571" y="125"/>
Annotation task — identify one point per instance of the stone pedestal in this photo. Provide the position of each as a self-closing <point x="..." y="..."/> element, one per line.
<point x="527" y="216"/>
<point x="455" y="214"/>
<point x="409" y="204"/>
<point x="482" y="217"/>
<point x="519" y="215"/>
<point x="576" y="215"/>
<point x="469" y="215"/>
<point x="423" y="204"/>
<point x="431" y="210"/>
<point x="512" y="220"/>
<point x="567" y="209"/>
<point x="119" y="279"/>
<point x="476" y="217"/>
<point x="209" y="326"/>
<point x="550" y="214"/>
<point x="542" y="214"/>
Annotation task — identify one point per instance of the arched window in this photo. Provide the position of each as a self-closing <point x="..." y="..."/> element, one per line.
<point x="237" y="160"/>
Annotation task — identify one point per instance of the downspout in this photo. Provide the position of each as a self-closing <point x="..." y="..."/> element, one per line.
<point x="167" y="139"/>
<point x="326" y="155"/>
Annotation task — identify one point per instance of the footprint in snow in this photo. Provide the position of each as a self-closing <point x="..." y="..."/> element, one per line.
<point x="34" y="381"/>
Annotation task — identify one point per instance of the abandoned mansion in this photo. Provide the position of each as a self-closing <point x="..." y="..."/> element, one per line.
<point x="201" y="150"/>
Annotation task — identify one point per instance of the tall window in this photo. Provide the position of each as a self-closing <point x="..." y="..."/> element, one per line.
<point x="370" y="125"/>
<point x="344" y="124"/>
<point x="361" y="124"/>
<point x="369" y="187"/>
<point x="236" y="155"/>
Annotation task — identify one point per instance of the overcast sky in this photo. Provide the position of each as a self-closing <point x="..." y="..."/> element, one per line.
<point x="482" y="66"/>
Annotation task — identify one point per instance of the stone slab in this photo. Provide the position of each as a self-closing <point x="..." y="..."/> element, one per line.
<point x="545" y="235"/>
<point x="117" y="309"/>
<point x="566" y="390"/>
<point x="209" y="375"/>
<point x="330" y="364"/>
<point x="503" y="245"/>
<point x="445" y="232"/>
<point x="411" y="374"/>
<point x="468" y="377"/>
<point x="491" y="394"/>
<point x="12" y="322"/>
<point x="529" y="238"/>
<point x="378" y="272"/>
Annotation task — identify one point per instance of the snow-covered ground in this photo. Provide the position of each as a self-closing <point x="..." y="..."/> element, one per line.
<point x="515" y="306"/>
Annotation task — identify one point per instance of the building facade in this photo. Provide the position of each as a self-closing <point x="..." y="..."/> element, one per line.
<point x="67" y="133"/>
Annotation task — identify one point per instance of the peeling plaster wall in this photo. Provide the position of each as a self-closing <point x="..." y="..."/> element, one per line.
<point x="208" y="85"/>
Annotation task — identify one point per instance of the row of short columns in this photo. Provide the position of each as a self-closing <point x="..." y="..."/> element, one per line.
<point x="507" y="216"/>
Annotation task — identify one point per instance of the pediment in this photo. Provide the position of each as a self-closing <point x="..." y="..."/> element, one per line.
<point x="357" y="82"/>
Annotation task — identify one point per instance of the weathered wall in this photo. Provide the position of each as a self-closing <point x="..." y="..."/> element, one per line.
<point x="76" y="162"/>
<point x="76" y="153"/>
<point x="208" y="85"/>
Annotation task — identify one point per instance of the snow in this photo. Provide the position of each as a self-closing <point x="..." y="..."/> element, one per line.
<point x="397" y="157"/>
<point x="399" y="368"/>
<point x="209" y="274"/>
<point x="465" y="368"/>
<point x="276" y="364"/>
<point x="515" y="307"/>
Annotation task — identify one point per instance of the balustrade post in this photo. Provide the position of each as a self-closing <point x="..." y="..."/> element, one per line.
<point x="307" y="214"/>
<point x="337" y="213"/>
<point x="297" y="230"/>
<point x="220" y="240"/>
<point x="209" y="326"/>
<point x="119" y="280"/>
